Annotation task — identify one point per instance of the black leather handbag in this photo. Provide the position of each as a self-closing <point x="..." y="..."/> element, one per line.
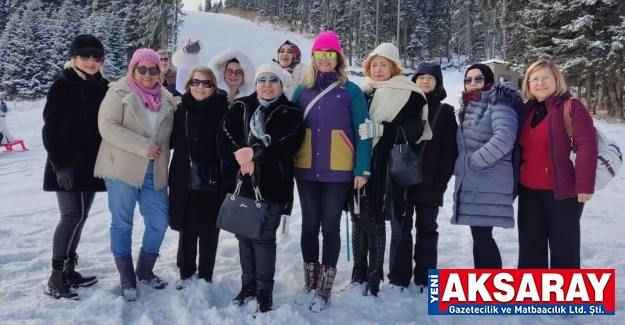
<point x="202" y="177"/>
<point x="405" y="165"/>
<point x="240" y="215"/>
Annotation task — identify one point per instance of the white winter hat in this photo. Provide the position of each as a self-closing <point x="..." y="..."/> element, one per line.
<point x="270" y="67"/>
<point x="386" y="50"/>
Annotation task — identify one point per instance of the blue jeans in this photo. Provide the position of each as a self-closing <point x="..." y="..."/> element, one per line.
<point x="153" y="205"/>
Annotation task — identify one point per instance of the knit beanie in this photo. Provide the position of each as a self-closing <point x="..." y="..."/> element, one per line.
<point x="386" y="50"/>
<point x="144" y="54"/>
<point x="270" y="67"/>
<point x="489" y="77"/>
<point x="434" y="70"/>
<point x="327" y="40"/>
<point x="85" y="44"/>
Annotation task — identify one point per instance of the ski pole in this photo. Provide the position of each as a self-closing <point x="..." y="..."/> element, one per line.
<point x="347" y="235"/>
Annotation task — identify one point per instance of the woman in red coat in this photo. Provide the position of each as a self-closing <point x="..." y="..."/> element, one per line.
<point x="553" y="190"/>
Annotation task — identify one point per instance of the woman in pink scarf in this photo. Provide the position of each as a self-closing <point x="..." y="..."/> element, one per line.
<point x="135" y="121"/>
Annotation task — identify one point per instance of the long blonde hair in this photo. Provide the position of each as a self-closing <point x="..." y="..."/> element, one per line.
<point x="310" y="76"/>
<point x="543" y="63"/>
<point x="70" y="65"/>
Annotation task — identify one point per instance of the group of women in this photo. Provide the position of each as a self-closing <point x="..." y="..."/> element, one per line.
<point x="267" y="129"/>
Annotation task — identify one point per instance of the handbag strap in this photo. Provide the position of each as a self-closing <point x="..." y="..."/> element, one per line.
<point x="254" y="181"/>
<point x="400" y="128"/>
<point x="312" y="102"/>
<point x="568" y="123"/>
<point x="425" y="143"/>
<point x="186" y="131"/>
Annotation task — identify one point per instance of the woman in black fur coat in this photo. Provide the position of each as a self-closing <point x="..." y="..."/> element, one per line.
<point x="260" y="135"/>
<point x="72" y="140"/>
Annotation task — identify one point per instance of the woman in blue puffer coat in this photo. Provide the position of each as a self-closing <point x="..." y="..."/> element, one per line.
<point x="484" y="171"/>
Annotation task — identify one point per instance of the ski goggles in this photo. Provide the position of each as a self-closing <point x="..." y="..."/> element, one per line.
<point x="263" y="80"/>
<point x="319" y="55"/>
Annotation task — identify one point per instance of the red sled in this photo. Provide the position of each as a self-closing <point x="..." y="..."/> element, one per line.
<point x="9" y="146"/>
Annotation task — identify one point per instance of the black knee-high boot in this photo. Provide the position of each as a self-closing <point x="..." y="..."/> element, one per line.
<point x="359" y="249"/>
<point x="377" y="245"/>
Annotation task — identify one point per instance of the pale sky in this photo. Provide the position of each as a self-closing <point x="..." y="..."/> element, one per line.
<point x="191" y="5"/>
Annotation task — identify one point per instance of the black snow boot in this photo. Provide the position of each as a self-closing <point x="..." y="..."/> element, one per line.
<point x="248" y="290"/>
<point x="58" y="285"/>
<point x="76" y="279"/>
<point x="264" y="297"/>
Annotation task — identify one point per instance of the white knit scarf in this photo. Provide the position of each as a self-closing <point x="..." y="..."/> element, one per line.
<point x="390" y="97"/>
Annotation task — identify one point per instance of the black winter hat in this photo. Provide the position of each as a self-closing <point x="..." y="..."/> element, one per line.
<point x="434" y="70"/>
<point x="489" y="77"/>
<point x="86" y="44"/>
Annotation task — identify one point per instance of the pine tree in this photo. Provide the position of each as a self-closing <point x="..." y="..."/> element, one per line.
<point x="478" y="37"/>
<point x="115" y="62"/>
<point x="200" y="7"/>
<point x="26" y="51"/>
<point x="439" y="28"/>
<point x="207" y="6"/>
<point x="419" y="38"/>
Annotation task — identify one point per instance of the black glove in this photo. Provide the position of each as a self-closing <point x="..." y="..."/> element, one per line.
<point x="65" y="179"/>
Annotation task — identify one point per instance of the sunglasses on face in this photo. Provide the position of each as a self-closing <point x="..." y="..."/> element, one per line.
<point x="543" y="79"/>
<point x="142" y="70"/>
<point x="236" y="73"/>
<point x="478" y="80"/>
<point x="85" y="58"/>
<point x="263" y="80"/>
<point x="164" y="59"/>
<point x="204" y="83"/>
<point x="319" y="55"/>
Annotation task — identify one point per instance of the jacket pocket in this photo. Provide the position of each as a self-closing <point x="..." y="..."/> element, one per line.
<point x="303" y="158"/>
<point x="341" y="152"/>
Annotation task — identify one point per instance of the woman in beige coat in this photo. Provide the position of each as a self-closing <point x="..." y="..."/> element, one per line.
<point x="135" y="120"/>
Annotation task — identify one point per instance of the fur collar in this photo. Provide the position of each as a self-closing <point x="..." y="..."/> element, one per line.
<point x="218" y="65"/>
<point x="504" y="93"/>
<point x="128" y="97"/>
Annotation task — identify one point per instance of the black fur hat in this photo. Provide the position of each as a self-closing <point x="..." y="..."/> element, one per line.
<point x="86" y="44"/>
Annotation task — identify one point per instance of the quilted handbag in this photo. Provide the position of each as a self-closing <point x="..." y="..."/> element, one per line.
<point x="240" y="215"/>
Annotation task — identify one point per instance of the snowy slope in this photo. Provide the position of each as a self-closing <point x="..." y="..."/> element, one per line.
<point x="28" y="217"/>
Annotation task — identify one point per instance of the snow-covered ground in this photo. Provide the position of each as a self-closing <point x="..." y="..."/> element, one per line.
<point x="28" y="217"/>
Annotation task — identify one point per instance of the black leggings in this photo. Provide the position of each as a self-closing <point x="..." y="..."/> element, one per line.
<point x="322" y="207"/>
<point x="74" y="208"/>
<point x="485" y="251"/>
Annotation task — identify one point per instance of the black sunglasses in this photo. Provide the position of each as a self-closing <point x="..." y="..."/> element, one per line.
<point x="205" y="83"/>
<point x="142" y="70"/>
<point x="165" y="59"/>
<point x="478" y="80"/>
<point x="85" y="58"/>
